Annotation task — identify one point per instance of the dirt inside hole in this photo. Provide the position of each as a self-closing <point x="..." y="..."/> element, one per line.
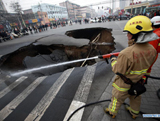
<point x="101" y="42"/>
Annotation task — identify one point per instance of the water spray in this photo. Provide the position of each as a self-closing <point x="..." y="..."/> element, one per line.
<point x="64" y="63"/>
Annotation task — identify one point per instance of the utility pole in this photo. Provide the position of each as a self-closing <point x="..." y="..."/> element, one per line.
<point x="74" y="12"/>
<point x="132" y="8"/>
<point x="67" y="8"/>
<point x="112" y="6"/>
<point x="41" y="14"/>
<point x="91" y="12"/>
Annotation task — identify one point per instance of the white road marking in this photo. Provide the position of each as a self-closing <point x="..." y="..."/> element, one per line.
<point x="45" y="102"/>
<point x="81" y="95"/>
<point x="16" y="101"/>
<point x="12" y="86"/>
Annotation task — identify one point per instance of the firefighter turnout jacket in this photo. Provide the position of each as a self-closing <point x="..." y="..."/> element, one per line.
<point x="133" y="62"/>
<point x="156" y="45"/>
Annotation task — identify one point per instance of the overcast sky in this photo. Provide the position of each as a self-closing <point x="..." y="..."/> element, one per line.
<point x="26" y="4"/>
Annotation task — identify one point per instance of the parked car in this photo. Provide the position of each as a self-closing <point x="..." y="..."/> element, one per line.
<point x="123" y="17"/>
<point x="93" y="21"/>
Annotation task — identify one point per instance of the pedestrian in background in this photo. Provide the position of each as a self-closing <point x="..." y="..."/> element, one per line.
<point x="50" y="25"/>
<point x="30" y="29"/>
<point x="46" y="26"/>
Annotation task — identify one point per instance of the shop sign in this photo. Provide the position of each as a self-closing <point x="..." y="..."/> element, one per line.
<point x="51" y="19"/>
<point x="34" y="20"/>
<point x="1" y="27"/>
<point x="12" y="24"/>
<point x="135" y="3"/>
<point x="26" y="22"/>
<point x="30" y="21"/>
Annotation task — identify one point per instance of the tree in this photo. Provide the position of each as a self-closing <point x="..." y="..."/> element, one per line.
<point x="17" y="8"/>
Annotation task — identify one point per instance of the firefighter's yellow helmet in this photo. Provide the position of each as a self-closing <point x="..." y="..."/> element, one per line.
<point x="138" y="24"/>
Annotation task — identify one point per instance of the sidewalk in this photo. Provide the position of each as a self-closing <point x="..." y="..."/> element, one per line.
<point x="150" y="103"/>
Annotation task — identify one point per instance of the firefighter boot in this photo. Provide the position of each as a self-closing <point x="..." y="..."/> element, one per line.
<point x="106" y="110"/>
<point x="129" y="111"/>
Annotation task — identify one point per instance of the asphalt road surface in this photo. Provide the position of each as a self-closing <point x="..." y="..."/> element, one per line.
<point x="55" y="97"/>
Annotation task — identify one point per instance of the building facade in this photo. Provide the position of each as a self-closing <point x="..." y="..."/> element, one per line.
<point x="137" y="8"/>
<point x="2" y="7"/>
<point x="53" y="11"/>
<point x="4" y="23"/>
<point x="120" y="4"/>
<point x="43" y="16"/>
<point x="72" y="9"/>
<point x="28" y="11"/>
<point x="87" y="12"/>
<point x="123" y="3"/>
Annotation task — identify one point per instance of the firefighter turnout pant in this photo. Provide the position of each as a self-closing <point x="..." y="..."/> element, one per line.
<point x="118" y="98"/>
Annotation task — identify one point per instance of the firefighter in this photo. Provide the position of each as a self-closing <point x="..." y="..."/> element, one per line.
<point x="156" y="43"/>
<point x="132" y="62"/>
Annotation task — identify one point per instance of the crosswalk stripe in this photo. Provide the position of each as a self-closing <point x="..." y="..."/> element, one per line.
<point x="12" y="86"/>
<point x="14" y="103"/>
<point x="45" y="102"/>
<point x="81" y="95"/>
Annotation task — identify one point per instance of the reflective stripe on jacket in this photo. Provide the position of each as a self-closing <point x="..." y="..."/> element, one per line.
<point x="133" y="62"/>
<point x="120" y="89"/>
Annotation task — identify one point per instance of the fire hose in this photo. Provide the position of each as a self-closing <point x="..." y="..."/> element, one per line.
<point x="63" y="63"/>
<point x="93" y="103"/>
<point x="106" y="56"/>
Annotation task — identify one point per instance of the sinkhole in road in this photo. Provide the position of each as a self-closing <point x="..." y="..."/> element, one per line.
<point x="46" y="50"/>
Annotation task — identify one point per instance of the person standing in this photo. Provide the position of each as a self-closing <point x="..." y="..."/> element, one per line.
<point x="156" y="43"/>
<point x="30" y="29"/>
<point x="70" y="22"/>
<point x="46" y="26"/>
<point x="133" y="63"/>
<point x="43" y="26"/>
<point x="158" y="13"/>
<point x="50" y="25"/>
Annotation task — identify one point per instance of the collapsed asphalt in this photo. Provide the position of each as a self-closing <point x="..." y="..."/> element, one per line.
<point x="42" y="52"/>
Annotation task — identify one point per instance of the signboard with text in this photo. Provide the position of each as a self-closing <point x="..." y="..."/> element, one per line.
<point x="1" y="27"/>
<point x="26" y="22"/>
<point x="34" y="20"/>
<point x="30" y="21"/>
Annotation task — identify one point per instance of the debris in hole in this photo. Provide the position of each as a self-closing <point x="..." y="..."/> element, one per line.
<point x="41" y="53"/>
